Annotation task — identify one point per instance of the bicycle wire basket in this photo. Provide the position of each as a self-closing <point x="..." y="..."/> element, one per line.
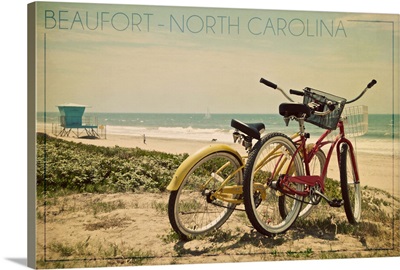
<point x="318" y="100"/>
<point x="355" y="120"/>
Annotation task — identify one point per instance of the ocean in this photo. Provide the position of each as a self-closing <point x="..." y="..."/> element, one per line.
<point x="381" y="135"/>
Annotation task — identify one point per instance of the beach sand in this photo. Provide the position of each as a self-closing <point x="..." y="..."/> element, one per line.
<point x="376" y="170"/>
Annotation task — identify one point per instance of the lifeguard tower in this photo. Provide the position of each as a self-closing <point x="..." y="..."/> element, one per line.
<point x="71" y="120"/>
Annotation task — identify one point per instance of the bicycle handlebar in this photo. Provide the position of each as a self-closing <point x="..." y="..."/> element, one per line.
<point x="369" y="86"/>
<point x="275" y="86"/>
<point x="268" y="83"/>
<point x="372" y="83"/>
<point x="300" y="93"/>
<point x="296" y="92"/>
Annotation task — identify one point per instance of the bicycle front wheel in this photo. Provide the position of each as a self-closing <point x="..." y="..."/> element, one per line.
<point x="271" y="160"/>
<point x="193" y="209"/>
<point x="351" y="191"/>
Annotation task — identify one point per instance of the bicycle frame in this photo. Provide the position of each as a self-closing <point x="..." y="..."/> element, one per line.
<point x="308" y="154"/>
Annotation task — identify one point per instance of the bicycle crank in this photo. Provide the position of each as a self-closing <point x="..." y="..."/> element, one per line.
<point x="333" y="202"/>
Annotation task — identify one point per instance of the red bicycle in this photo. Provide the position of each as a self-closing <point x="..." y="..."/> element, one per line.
<point x="285" y="177"/>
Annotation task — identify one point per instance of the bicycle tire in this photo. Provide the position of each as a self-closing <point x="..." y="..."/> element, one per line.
<point x="351" y="191"/>
<point x="191" y="210"/>
<point x="264" y="214"/>
<point x="316" y="167"/>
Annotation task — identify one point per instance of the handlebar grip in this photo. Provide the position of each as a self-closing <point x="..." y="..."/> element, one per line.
<point x="296" y="92"/>
<point x="268" y="83"/>
<point x="372" y="83"/>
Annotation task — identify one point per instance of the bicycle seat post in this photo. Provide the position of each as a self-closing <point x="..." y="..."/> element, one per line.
<point x="302" y="128"/>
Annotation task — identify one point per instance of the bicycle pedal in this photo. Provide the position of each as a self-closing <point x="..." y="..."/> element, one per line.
<point x="336" y="203"/>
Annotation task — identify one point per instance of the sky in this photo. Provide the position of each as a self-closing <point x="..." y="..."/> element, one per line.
<point x="126" y="58"/>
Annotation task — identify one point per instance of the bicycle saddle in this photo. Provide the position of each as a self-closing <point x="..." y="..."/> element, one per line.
<point x="253" y="130"/>
<point x="294" y="109"/>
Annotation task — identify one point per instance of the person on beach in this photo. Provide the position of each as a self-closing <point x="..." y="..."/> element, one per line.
<point x="144" y="138"/>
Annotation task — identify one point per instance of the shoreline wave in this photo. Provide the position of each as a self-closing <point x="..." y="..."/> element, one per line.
<point x="363" y="144"/>
<point x="199" y="134"/>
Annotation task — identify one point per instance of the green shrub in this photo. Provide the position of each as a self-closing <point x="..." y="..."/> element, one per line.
<point x="87" y="168"/>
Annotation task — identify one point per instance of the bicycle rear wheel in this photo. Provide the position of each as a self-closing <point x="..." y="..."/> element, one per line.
<point x="192" y="209"/>
<point x="351" y="191"/>
<point x="270" y="160"/>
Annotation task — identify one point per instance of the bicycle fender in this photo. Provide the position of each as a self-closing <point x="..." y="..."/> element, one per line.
<point x="188" y="163"/>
